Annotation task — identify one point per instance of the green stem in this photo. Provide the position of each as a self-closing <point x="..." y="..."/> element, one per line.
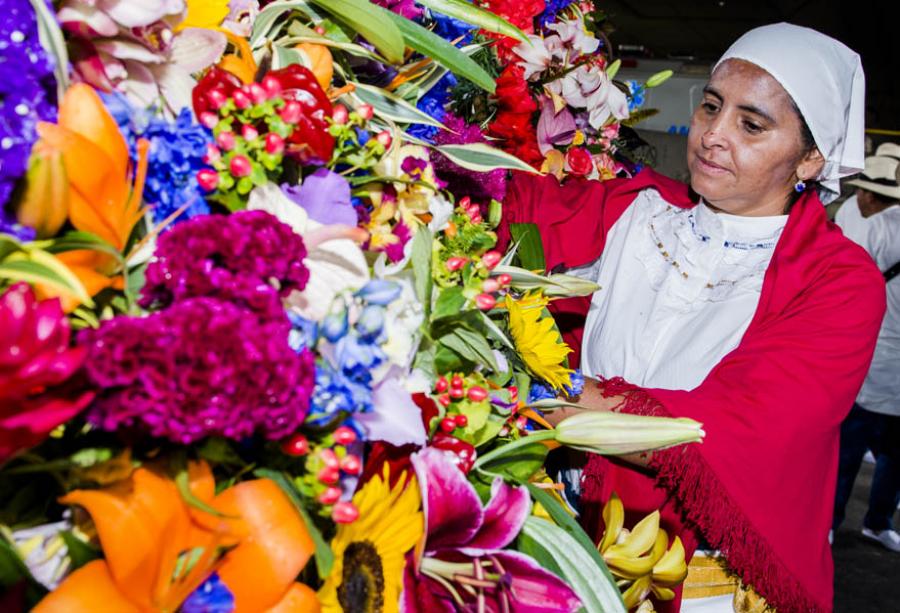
<point x="534" y="437"/>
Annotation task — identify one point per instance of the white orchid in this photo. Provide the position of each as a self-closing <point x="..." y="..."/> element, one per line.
<point x="590" y="88"/>
<point x="573" y="35"/>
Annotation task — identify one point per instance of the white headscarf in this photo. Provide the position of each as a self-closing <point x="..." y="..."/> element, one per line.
<point x="825" y="78"/>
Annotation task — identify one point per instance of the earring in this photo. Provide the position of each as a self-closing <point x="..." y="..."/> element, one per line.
<point x="799" y="186"/>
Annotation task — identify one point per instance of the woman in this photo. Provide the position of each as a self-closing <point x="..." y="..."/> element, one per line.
<point x="748" y="311"/>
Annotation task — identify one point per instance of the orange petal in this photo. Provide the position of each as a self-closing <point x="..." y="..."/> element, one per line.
<point x="259" y="570"/>
<point x="91" y="268"/>
<point x="90" y="588"/>
<point x="133" y="519"/>
<point x="300" y="598"/>
<point x="320" y="62"/>
<point x="45" y="203"/>
<point x="83" y="112"/>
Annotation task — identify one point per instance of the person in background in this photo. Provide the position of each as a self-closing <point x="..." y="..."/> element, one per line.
<point x="871" y="219"/>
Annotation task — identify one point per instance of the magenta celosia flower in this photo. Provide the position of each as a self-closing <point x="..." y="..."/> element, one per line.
<point x="201" y="367"/>
<point x="249" y="258"/>
<point x="36" y="369"/>
<point x="477" y="185"/>
<point x="464" y="546"/>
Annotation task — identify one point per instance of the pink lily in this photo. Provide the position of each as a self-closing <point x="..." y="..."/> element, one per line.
<point x="463" y="565"/>
<point x="36" y="366"/>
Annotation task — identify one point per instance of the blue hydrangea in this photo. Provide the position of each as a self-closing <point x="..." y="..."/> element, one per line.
<point x="433" y="104"/>
<point x="212" y="596"/>
<point x="553" y="7"/>
<point x="27" y="96"/>
<point x="541" y="391"/>
<point x="176" y="154"/>
<point x="335" y="393"/>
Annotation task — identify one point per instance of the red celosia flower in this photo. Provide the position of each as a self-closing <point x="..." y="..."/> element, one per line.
<point x="36" y="367"/>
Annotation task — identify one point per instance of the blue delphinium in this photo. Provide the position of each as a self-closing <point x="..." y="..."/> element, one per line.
<point x="27" y="96"/>
<point x="636" y="93"/>
<point x="212" y="596"/>
<point x="451" y="29"/>
<point x="541" y="391"/>
<point x="553" y="7"/>
<point x="433" y="104"/>
<point x="176" y="154"/>
<point x="334" y="393"/>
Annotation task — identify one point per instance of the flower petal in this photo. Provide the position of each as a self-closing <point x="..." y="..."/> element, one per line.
<point x="143" y="13"/>
<point x="453" y="513"/>
<point x="395" y="418"/>
<point x="90" y="588"/>
<point x="504" y="516"/>
<point x="196" y="48"/>
<point x="533" y="589"/>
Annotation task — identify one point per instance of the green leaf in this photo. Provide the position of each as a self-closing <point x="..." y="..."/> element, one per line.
<point x="285" y="56"/>
<point x="372" y="22"/>
<point x="481" y="157"/>
<point x="54" y="44"/>
<point x="476" y="16"/>
<point x="583" y="572"/>
<point x="79" y="552"/>
<point x="582" y="541"/>
<point x="264" y="24"/>
<point x="36" y="272"/>
<point x="71" y="241"/>
<point x="449" y="302"/>
<point x="431" y="45"/>
<point x="183" y="485"/>
<point x="519" y="465"/>
<point x="471" y="346"/>
<point x="488" y="431"/>
<point x="393" y="107"/>
<point x="13" y="570"/>
<point x="530" y="249"/>
<point x="300" y="36"/>
<point x="659" y="78"/>
<point x="324" y="555"/>
<point x="421" y="262"/>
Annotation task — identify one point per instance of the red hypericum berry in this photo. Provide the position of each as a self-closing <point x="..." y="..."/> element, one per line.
<point x="477" y="393"/>
<point x="456" y="381"/>
<point x="208" y="179"/>
<point x="330" y="495"/>
<point x="485" y="302"/>
<point x="465" y="202"/>
<point x="209" y="119"/>
<point x="477" y="218"/>
<point x="457" y="393"/>
<point x="504" y="279"/>
<point x="384" y="137"/>
<point x="329" y="476"/>
<point x="216" y="98"/>
<point x="344" y="512"/>
<point x="344" y="435"/>
<point x="521" y="422"/>
<point x="291" y="112"/>
<point x="513" y="392"/>
<point x="461" y="420"/>
<point x="249" y="133"/>
<point x="213" y="154"/>
<point x="491" y="259"/>
<point x="274" y="144"/>
<point x="473" y="210"/>
<point x="225" y="140"/>
<point x="258" y="93"/>
<point x="351" y="464"/>
<point x="441" y="384"/>
<point x="489" y="286"/>
<point x="448" y="424"/>
<point x="455" y="263"/>
<point x="241" y="99"/>
<point x="444" y="399"/>
<point x="329" y="458"/>
<point x="366" y="111"/>
<point x="240" y="166"/>
<point x="272" y="86"/>
<point x="297" y="445"/>
<point x="340" y="114"/>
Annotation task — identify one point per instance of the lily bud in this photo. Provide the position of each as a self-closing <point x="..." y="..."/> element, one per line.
<point x="610" y="433"/>
<point x="45" y="204"/>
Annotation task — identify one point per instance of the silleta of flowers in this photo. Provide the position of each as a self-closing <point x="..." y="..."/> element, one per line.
<point x="259" y="347"/>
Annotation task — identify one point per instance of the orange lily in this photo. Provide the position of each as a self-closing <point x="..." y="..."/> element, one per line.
<point x="147" y="532"/>
<point x="241" y="63"/>
<point x="93" y="186"/>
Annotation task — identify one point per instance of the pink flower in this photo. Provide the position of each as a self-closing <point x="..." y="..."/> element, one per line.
<point x="36" y="370"/>
<point x="464" y="544"/>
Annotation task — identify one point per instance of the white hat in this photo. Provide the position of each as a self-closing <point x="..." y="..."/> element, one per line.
<point x="888" y="149"/>
<point x="881" y="176"/>
<point x="826" y="81"/>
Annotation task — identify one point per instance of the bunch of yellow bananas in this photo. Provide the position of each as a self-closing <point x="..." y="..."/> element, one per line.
<point x="641" y="558"/>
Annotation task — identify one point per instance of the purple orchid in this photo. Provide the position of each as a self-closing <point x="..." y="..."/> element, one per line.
<point x="325" y="195"/>
<point x="463" y="564"/>
<point x="554" y="128"/>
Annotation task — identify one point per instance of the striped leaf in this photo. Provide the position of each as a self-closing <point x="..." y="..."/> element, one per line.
<point x="465" y="11"/>
<point x="372" y="22"/>
<point x="482" y="157"/>
<point x="391" y="106"/>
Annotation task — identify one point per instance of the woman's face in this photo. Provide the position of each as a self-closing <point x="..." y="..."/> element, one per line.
<point x="745" y="150"/>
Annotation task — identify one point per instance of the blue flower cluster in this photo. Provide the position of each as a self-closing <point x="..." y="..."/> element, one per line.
<point x="451" y="29"/>
<point x="541" y="391"/>
<point x="553" y="8"/>
<point x="433" y="104"/>
<point x="212" y="596"/>
<point x="177" y="149"/>
<point x="636" y="91"/>
<point x="28" y="95"/>
<point x="344" y="377"/>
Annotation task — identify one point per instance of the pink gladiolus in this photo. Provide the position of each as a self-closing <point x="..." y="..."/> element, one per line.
<point x="37" y="392"/>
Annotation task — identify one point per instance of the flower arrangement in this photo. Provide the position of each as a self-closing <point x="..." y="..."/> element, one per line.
<point x="259" y="349"/>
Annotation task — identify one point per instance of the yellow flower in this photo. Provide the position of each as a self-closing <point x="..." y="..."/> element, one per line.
<point x="537" y="340"/>
<point x="369" y="554"/>
<point x="204" y="14"/>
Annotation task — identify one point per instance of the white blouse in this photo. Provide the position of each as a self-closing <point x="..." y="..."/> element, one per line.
<point x="678" y="288"/>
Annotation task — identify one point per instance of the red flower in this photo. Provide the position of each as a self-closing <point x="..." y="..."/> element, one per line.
<point x="36" y="368"/>
<point x="512" y="91"/>
<point x="518" y="136"/>
<point x="520" y="13"/>
<point x="579" y="161"/>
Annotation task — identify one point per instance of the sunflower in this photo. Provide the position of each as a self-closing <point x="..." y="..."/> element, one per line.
<point x="537" y="340"/>
<point x="369" y="554"/>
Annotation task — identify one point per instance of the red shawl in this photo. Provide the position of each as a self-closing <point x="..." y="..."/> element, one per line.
<point x="760" y="487"/>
